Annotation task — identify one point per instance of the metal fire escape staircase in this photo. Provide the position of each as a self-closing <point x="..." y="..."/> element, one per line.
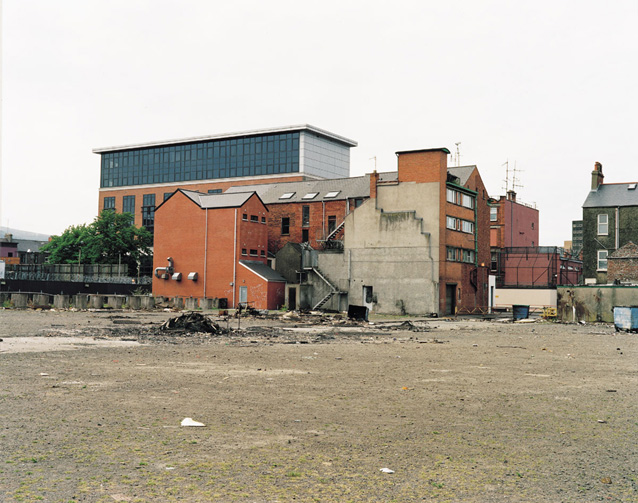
<point x="333" y="289"/>
<point x="331" y="242"/>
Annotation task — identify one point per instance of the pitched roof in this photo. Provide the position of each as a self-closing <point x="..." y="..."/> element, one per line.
<point x="262" y="270"/>
<point x="211" y="201"/>
<point x="611" y="195"/>
<point x="271" y="193"/>
<point x="462" y="172"/>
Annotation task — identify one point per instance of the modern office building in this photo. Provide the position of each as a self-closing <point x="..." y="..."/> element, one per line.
<point x="137" y="178"/>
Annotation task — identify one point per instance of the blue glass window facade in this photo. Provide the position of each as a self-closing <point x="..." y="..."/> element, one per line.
<point x="206" y="160"/>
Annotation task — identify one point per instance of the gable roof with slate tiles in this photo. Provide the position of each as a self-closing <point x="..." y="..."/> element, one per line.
<point x="346" y="188"/>
<point x="212" y="201"/>
<point x="612" y="195"/>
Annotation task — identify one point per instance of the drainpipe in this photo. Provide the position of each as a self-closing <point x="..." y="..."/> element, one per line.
<point x="235" y="259"/>
<point x="205" y="251"/>
<point x="617" y="240"/>
<point x="323" y="218"/>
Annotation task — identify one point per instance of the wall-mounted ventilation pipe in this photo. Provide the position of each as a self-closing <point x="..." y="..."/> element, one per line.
<point x="168" y="270"/>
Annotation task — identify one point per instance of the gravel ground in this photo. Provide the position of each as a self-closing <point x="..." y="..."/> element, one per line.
<point x="310" y="411"/>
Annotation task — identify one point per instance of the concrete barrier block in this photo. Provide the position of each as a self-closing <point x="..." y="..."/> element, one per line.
<point x="148" y="302"/>
<point x="207" y="304"/>
<point x="115" y="301"/>
<point x="81" y="301"/>
<point x="96" y="301"/>
<point x="178" y="302"/>
<point x="134" y="302"/>
<point x="41" y="299"/>
<point x="61" y="301"/>
<point x="19" y="300"/>
<point x="191" y="304"/>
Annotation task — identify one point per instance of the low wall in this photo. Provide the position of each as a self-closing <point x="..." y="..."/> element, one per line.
<point x="533" y="297"/>
<point x="593" y="302"/>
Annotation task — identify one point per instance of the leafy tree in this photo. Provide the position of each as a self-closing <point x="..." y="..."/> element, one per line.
<point x="111" y="238"/>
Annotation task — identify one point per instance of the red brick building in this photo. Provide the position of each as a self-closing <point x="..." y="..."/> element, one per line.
<point x="463" y="227"/>
<point x="215" y="246"/>
<point x="309" y="212"/>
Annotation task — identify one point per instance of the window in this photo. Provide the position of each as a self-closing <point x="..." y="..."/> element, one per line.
<point x="263" y="220"/>
<point x="287" y="195"/>
<point x="254" y="218"/>
<point x="128" y="206"/>
<point x="467" y="226"/>
<point x="358" y="202"/>
<point x="450" y="223"/>
<point x="532" y="225"/>
<point x="244" y="251"/>
<point x="494" y="262"/>
<point x="603" y="224"/>
<point x="285" y="226"/>
<point x="467" y="201"/>
<point x="460" y="255"/>
<point x="310" y="195"/>
<point x="148" y="212"/>
<point x="305" y="216"/>
<point x="332" y="195"/>
<point x="304" y="236"/>
<point x="451" y="196"/>
<point x="214" y="191"/>
<point x="262" y="253"/>
<point x="253" y="253"/>
<point x="332" y="223"/>
<point x="109" y="203"/>
<point x="494" y="215"/>
<point x="167" y="195"/>
<point x="602" y="260"/>
<point x="244" y="216"/>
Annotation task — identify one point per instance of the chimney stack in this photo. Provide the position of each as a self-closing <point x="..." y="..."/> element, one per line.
<point x="374" y="180"/>
<point x="511" y="195"/>
<point x="597" y="176"/>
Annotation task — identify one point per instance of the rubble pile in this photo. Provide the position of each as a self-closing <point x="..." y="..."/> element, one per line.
<point x="192" y="322"/>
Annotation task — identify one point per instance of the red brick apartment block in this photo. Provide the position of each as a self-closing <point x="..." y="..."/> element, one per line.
<point x="218" y="243"/>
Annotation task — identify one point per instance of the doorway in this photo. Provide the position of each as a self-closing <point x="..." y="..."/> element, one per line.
<point x="243" y="295"/>
<point x="368" y="297"/>
<point x="450" y="299"/>
<point x="292" y="298"/>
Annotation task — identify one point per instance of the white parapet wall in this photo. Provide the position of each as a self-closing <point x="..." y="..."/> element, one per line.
<point x="535" y="298"/>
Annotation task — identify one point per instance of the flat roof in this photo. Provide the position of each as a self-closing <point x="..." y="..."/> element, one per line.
<point x="240" y="134"/>
<point x="423" y="150"/>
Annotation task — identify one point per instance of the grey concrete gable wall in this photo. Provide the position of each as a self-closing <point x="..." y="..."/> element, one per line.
<point x="393" y="250"/>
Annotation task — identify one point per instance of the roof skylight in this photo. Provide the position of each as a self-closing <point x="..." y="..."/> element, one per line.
<point x="331" y="195"/>
<point x="310" y="195"/>
<point x="287" y="195"/>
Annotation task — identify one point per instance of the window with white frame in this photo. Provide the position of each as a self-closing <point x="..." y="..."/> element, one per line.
<point x="450" y="223"/>
<point x="603" y="224"/>
<point x="468" y="226"/>
<point x="467" y="201"/>
<point x="602" y="260"/>
<point x="493" y="214"/>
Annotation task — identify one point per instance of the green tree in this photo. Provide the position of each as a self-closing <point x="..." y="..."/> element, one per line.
<point x="111" y="238"/>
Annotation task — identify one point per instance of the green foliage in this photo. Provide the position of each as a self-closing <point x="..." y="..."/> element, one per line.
<point x="111" y="238"/>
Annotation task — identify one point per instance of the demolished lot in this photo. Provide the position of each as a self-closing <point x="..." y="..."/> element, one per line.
<point x="313" y="408"/>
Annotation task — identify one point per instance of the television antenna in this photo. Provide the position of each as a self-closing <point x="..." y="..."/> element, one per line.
<point x="514" y="178"/>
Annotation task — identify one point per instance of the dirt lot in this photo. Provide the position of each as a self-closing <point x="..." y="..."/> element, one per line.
<point x="474" y="411"/>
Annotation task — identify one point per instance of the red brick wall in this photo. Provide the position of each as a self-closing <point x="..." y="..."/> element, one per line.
<point x="317" y="230"/>
<point x="180" y="232"/>
<point x="423" y="167"/>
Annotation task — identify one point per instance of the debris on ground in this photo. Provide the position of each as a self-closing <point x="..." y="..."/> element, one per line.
<point x="192" y="322"/>
<point x="386" y="470"/>
<point x="189" y="421"/>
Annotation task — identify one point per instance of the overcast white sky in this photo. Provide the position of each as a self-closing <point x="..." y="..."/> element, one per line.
<point x="548" y="85"/>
